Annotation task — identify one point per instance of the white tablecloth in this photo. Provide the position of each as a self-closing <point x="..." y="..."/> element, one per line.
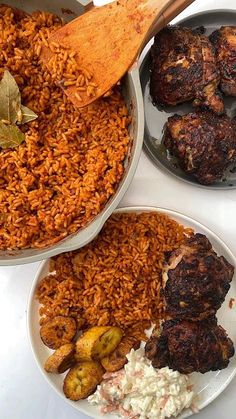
<point x="24" y="394"/>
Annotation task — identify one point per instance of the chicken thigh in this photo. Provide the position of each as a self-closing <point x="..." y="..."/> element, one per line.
<point x="203" y="143"/>
<point x="224" y="41"/>
<point x="189" y="347"/>
<point x="183" y="69"/>
<point x="195" y="280"/>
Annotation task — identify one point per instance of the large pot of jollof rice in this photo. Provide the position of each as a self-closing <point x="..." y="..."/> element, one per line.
<point x="58" y="187"/>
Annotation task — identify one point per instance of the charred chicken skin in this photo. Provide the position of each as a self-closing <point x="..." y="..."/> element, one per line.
<point x="224" y="41"/>
<point x="183" y="69"/>
<point x="195" y="280"/>
<point x="203" y="143"/>
<point x="188" y="346"/>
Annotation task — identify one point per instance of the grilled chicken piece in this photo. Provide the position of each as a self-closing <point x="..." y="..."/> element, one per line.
<point x="203" y="143"/>
<point x="188" y="346"/>
<point x="195" y="280"/>
<point x="184" y="68"/>
<point x="224" y="41"/>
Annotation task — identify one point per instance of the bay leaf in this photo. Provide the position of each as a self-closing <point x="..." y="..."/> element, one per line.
<point x="10" y="136"/>
<point x="27" y="115"/>
<point x="10" y="99"/>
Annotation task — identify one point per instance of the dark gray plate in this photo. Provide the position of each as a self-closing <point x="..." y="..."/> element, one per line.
<point x="155" y="118"/>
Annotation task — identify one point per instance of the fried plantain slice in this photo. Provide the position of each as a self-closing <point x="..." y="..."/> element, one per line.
<point x="58" y="331"/>
<point x="117" y="359"/>
<point x="82" y="380"/>
<point x="61" y="360"/>
<point x="98" y="342"/>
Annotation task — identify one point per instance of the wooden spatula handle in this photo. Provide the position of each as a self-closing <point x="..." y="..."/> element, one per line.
<point x="175" y="9"/>
<point x="172" y="10"/>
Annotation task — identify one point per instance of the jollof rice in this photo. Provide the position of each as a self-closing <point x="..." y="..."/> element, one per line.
<point x="71" y="161"/>
<point x="115" y="279"/>
<point x="65" y="70"/>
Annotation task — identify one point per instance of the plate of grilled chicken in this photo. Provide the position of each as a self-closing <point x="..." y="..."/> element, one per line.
<point x="188" y="80"/>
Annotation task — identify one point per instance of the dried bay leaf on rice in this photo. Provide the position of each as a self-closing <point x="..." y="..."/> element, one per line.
<point x="11" y="109"/>
<point x="10" y="99"/>
<point x="27" y="115"/>
<point x="12" y="112"/>
<point x="10" y="136"/>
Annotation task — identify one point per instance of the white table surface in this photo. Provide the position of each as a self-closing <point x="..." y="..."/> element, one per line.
<point x="24" y="394"/>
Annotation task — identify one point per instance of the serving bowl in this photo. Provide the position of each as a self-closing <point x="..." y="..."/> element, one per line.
<point x="133" y="97"/>
<point x="207" y="386"/>
<point x="156" y="117"/>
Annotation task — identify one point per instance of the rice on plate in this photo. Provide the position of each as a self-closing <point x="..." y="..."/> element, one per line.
<point x="116" y="279"/>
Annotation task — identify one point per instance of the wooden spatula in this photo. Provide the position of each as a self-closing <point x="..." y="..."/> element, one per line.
<point x="106" y="41"/>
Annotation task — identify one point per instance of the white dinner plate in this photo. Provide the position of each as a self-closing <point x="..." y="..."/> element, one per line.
<point x="208" y="386"/>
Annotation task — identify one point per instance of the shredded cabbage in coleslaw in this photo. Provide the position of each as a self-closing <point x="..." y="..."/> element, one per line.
<point x="141" y="391"/>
